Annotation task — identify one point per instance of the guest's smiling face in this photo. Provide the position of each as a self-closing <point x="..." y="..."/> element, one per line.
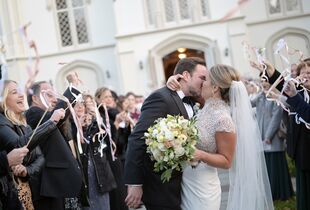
<point x="305" y="74"/>
<point x="15" y="98"/>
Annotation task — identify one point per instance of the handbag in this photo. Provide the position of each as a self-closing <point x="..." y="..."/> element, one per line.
<point x="9" y="194"/>
<point x="24" y="194"/>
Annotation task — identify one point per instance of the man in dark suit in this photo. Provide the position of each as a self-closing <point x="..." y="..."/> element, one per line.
<point x="139" y="169"/>
<point x="61" y="176"/>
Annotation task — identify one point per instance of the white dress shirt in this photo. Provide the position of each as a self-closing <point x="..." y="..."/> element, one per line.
<point x="188" y="107"/>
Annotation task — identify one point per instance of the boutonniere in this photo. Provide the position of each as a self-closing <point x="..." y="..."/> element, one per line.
<point x="196" y="107"/>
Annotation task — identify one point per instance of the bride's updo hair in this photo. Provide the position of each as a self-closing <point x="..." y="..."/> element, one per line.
<point x="222" y="75"/>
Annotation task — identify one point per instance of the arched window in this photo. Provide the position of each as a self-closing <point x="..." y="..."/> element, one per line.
<point x="71" y="21"/>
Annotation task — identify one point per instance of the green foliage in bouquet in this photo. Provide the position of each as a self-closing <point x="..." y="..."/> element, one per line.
<point x="171" y="144"/>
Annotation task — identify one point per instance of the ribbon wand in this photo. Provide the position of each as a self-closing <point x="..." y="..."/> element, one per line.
<point x="44" y="102"/>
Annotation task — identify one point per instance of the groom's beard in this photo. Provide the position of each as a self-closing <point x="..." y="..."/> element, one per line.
<point x="194" y="93"/>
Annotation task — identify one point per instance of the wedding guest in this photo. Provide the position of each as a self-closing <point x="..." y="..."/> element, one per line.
<point x="14" y="133"/>
<point x="269" y="116"/>
<point x="139" y="102"/>
<point x="96" y="168"/>
<point x="104" y="95"/>
<point x="296" y="101"/>
<point x="134" y="113"/>
<point x="294" y="71"/>
<point x="61" y="176"/>
<point x="117" y="196"/>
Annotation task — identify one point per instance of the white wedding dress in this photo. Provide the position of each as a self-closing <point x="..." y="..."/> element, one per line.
<point x="201" y="187"/>
<point x="249" y="187"/>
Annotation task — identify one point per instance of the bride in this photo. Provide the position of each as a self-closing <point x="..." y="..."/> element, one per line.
<point x="229" y="139"/>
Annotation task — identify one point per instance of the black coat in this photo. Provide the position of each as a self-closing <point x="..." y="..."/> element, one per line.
<point x="139" y="169"/>
<point x="300" y="106"/>
<point x="61" y="176"/>
<point x="4" y="165"/>
<point x="13" y="136"/>
<point x="8" y="193"/>
<point x="103" y="172"/>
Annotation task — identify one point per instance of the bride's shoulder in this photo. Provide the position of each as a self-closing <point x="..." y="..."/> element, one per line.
<point x="225" y="123"/>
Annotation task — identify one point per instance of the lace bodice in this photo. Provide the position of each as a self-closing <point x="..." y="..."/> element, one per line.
<point x="213" y="117"/>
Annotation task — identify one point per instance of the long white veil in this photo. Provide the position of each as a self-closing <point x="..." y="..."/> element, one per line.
<point x="249" y="183"/>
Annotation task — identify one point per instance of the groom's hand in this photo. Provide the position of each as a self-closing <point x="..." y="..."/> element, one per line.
<point x="134" y="195"/>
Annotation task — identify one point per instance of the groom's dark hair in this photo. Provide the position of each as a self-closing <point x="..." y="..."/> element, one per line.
<point x="188" y="64"/>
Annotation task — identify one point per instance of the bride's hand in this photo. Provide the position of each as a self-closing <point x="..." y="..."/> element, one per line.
<point x="173" y="83"/>
<point x="198" y="155"/>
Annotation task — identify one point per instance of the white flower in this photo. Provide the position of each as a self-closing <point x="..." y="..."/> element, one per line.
<point x="162" y="147"/>
<point x="156" y="154"/>
<point x="169" y="135"/>
<point x="155" y="132"/>
<point x="179" y="151"/>
<point x="170" y="142"/>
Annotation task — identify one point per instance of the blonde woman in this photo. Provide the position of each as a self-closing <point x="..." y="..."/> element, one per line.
<point x="229" y="139"/>
<point x="15" y="133"/>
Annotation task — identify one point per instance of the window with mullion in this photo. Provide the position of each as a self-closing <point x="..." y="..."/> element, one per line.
<point x="184" y="9"/>
<point x="72" y="22"/>
<point x="292" y="5"/>
<point x="204" y="8"/>
<point x="64" y="23"/>
<point x="283" y="7"/>
<point x="275" y="7"/>
<point x="170" y="10"/>
<point x="150" y="6"/>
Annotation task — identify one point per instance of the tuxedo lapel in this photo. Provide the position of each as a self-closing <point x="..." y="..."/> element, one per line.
<point x="179" y="104"/>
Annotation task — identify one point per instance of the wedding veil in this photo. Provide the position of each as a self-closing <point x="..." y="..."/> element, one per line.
<point x="249" y="183"/>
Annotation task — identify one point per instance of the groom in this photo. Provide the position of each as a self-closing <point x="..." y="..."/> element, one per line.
<point x="139" y="171"/>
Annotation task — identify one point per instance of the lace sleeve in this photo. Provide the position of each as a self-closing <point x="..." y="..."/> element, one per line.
<point x="225" y="124"/>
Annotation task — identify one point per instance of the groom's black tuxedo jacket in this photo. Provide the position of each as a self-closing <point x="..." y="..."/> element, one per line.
<point x="138" y="165"/>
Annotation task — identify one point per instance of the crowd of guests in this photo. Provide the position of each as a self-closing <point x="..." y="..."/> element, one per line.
<point x="53" y="159"/>
<point x="282" y="132"/>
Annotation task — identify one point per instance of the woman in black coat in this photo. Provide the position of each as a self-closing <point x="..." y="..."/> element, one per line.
<point x="104" y="96"/>
<point x="97" y="173"/>
<point x="15" y="133"/>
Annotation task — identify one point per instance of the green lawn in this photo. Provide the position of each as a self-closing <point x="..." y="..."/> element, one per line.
<point x="289" y="204"/>
<point x="285" y="205"/>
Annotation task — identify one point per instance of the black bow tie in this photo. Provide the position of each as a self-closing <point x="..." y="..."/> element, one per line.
<point x="187" y="100"/>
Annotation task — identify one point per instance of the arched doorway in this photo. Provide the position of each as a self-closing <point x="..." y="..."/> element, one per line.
<point x="171" y="59"/>
<point x="163" y="57"/>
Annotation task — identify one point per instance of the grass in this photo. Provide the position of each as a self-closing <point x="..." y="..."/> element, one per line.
<point x="291" y="166"/>
<point x="291" y="203"/>
<point x="285" y="205"/>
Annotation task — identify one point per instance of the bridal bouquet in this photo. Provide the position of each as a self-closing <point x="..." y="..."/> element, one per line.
<point x="171" y="143"/>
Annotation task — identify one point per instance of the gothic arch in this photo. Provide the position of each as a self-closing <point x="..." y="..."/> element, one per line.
<point x="297" y="32"/>
<point x="166" y="46"/>
<point x="92" y="70"/>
